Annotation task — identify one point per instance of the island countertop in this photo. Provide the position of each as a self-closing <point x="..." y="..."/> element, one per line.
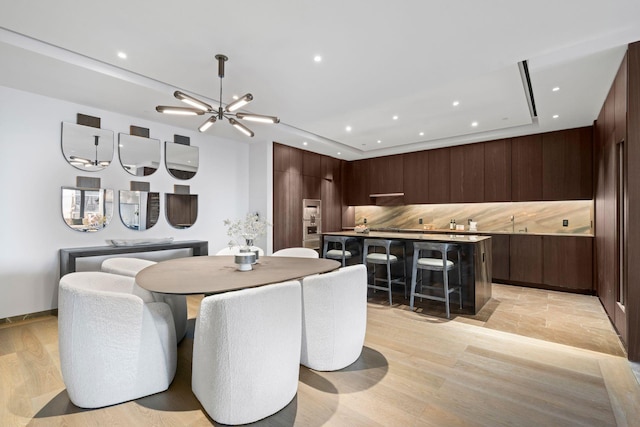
<point x="440" y="237"/>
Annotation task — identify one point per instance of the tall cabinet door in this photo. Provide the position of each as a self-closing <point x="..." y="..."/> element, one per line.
<point x="416" y="177"/>
<point x="497" y="171"/>
<point x="438" y="173"/>
<point x="526" y="168"/>
<point x="466" y="173"/>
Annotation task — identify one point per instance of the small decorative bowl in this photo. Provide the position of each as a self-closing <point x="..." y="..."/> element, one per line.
<point x="245" y="261"/>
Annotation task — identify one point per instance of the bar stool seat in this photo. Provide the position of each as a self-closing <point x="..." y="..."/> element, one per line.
<point x="443" y="264"/>
<point x="384" y="258"/>
<point x="341" y="253"/>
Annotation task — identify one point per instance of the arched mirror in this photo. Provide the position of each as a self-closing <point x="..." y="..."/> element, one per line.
<point x="181" y="160"/>
<point x="139" y="156"/>
<point x="87" y="148"/>
<point x="87" y="209"/>
<point x="139" y="210"/>
<point x="181" y="209"/>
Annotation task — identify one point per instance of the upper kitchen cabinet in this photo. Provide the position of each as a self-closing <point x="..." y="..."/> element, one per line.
<point x="330" y="168"/>
<point x="466" y="173"/>
<point x="567" y="164"/>
<point x="385" y="174"/>
<point x="311" y="164"/>
<point x="438" y="173"/>
<point x="416" y="177"/>
<point x="355" y="183"/>
<point x="497" y="171"/>
<point x="526" y="168"/>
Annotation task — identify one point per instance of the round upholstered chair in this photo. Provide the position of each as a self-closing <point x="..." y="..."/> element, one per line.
<point x="334" y="318"/>
<point x="114" y="346"/>
<point x="297" y="252"/>
<point x="126" y="266"/>
<point x="246" y="352"/>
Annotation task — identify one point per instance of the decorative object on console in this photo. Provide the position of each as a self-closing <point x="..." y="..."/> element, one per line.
<point x="136" y="242"/>
<point x="199" y="107"/>
<point x="361" y="228"/>
<point x="87" y="207"/>
<point x="85" y="146"/>
<point x="139" y="154"/>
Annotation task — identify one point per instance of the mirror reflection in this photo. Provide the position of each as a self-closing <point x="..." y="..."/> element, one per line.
<point x="87" y="148"/>
<point x="181" y="160"/>
<point x="139" y="156"/>
<point x="87" y="209"/>
<point x="139" y="210"/>
<point x="181" y="209"/>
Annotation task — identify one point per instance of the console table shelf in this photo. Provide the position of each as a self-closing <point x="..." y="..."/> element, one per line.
<point x="68" y="256"/>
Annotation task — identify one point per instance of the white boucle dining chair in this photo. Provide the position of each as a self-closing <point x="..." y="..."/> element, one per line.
<point x="246" y="352"/>
<point x="297" y="253"/>
<point x="126" y="266"/>
<point x="334" y="318"/>
<point x="114" y="347"/>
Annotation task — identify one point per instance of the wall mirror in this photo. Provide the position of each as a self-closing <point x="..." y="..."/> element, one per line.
<point x="181" y="209"/>
<point x="87" y="148"/>
<point x="139" y="156"/>
<point x="181" y="160"/>
<point x="87" y="209"/>
<point x="139" y="210"/>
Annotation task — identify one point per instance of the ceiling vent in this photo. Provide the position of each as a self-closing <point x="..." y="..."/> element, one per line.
<point x="528" y="88"/>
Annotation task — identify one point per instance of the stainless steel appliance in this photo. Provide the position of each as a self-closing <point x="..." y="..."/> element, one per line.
<point x="311" y="223"/>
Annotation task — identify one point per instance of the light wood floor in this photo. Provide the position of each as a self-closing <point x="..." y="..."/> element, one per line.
<point x="415" y="370"/>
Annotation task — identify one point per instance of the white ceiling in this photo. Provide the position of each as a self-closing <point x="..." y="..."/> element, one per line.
<point x="410" y="58"/>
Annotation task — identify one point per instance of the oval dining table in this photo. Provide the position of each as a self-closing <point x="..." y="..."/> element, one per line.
<point x="216" y="274"/>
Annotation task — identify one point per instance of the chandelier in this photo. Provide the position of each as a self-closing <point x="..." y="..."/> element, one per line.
<point x="199" y="108"/>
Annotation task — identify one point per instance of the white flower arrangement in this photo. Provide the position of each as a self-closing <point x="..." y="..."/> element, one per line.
<point x="248" y="229"/>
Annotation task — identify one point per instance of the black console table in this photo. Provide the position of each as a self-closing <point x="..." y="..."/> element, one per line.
<point x="68" y="256"/>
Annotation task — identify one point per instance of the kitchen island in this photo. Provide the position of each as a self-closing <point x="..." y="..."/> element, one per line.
<point x="476" y="260"/>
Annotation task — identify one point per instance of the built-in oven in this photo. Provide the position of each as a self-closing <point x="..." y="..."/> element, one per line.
<point x="311" y="223"/>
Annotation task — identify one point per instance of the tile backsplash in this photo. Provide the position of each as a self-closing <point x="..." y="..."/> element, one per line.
<point x="535" y="217"/>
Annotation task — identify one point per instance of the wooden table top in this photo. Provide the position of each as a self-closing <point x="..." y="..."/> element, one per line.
<point x="215" y="274"/>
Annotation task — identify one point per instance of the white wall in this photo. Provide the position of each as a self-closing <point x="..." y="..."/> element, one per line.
<point x="33" y="170"/>
<point x="261" y="188"/>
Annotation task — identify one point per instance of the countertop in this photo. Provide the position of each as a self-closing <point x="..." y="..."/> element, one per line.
<point x="396" y="235"/>
<point x="478" y="232"/>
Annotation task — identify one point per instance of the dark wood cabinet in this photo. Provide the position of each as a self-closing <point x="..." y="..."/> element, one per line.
<point x="356" y="183"/>
<point x="526" y="168"/>
<point x="385" y="174"/>
<point x="466" y="173"/>
<point x="311" y="187"/>
<point x="415" y="177"/>
<point x="281" y="217"/>
<point x="497" y="171"/>
<point x="281" y="157"/>
<point x="525" y="258"/>
<point x="438" y="175"/>
<point x="311" y="164"/>
<point x="567" y="164"/>
<point x="181" y="209"/>
<point x="567" y="262"/>
<point x="500" y="244"/>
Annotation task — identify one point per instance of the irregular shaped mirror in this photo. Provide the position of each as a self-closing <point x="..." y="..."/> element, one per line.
<point x="139" y="156"/>
<point x="87" y="148"/>
<point x="87" y="209"/>
<point x="181" y="209"/>
<point x="139" y="210"/>
<point x="181" y="160"/>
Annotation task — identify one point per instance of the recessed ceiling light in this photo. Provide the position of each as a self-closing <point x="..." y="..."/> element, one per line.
<point x="348" y="128"/>
<point x="421" y="134"/>
<point x="122" y="55"/>
<point x="555" y="116"/>
<point x="555" y="89"/>
<point x="304" y="143"/>
<point x="317" y="58"/>
<point x="379" y="142"/>
<point x="339" y="153"/>
<point x="456" y="103"/>
<point x="395" y="117"/>
<point x="474" y="124"/>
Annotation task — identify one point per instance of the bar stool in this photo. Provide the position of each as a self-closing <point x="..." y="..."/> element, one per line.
<point x="384" y="258"/>
<point x="338" y="254"/>
<point x="443" y="264"/>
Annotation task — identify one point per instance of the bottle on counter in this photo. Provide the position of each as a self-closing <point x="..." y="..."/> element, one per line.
<point x="452" y="224"/>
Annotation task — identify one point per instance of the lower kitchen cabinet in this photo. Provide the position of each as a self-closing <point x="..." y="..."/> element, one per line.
<point x="567" y="262"/>
<point x="525" y="260"/>
<point x="500" y="253"/>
